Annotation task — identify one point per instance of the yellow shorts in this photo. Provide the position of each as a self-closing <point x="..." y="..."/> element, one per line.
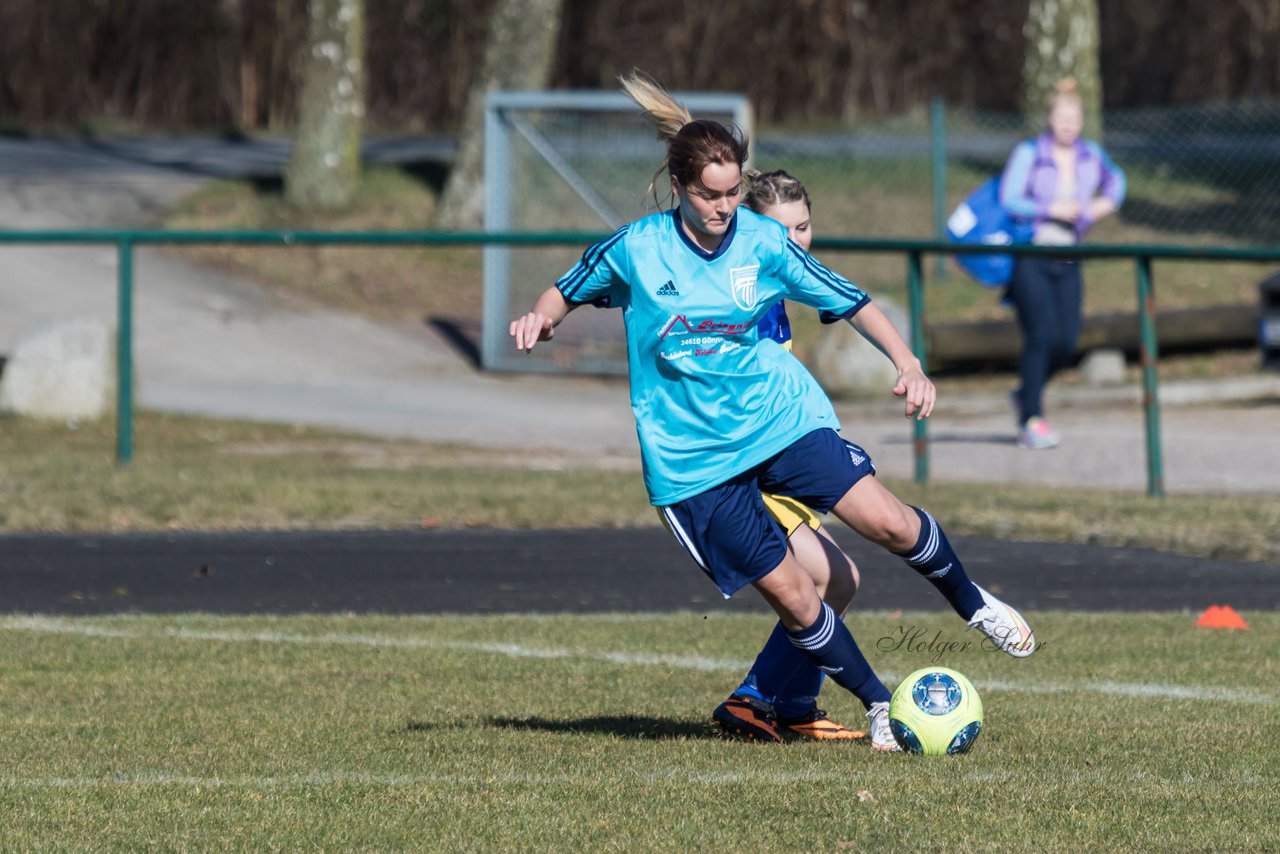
<point x="791" y="514"/>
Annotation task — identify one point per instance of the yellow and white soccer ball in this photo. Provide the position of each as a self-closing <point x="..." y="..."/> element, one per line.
<point x="935" y="711"/>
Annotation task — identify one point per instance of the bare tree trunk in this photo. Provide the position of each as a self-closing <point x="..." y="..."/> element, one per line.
<point x="324" y="170"/>
<point x="518" y="55"/>
<point x="1062" y="39"/>
<point x="1264" y="23"/>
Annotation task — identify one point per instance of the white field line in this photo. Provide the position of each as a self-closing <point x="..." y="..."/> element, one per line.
<point x="360" y="778"/>
<point x="80" y="627"/>
<point x="765" y="777"/>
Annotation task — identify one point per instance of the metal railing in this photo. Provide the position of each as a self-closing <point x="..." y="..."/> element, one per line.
<point x="913" y="250"/>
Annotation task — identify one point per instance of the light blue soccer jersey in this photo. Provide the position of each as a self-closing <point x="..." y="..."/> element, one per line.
<point x="711" y="398"/>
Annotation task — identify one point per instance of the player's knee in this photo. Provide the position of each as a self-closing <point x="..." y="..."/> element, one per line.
<point x="793" y="597"/>
<point x="895" y="529"/>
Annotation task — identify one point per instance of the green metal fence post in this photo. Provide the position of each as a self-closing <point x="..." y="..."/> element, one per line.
<point x="124" y="354"/>
<point x="915" y="303"/>
<point x="1150" y="389"/>
<point x="938" y="148"/>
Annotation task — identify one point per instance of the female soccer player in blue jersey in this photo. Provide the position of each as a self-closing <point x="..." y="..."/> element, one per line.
<point x="723" y="415"/>
<point x="773" y="700"/>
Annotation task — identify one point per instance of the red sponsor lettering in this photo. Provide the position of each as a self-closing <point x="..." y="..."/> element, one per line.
<point x="680" y="320"/>
<point x="727" y="328"/>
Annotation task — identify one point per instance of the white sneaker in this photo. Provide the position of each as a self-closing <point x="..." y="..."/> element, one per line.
<point x="1037" y="435"/>
<point x="1004" y="626"/>
<point x="882" y="739"/>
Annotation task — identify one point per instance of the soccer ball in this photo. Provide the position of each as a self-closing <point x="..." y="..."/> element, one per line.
<point x="935" y="711"/>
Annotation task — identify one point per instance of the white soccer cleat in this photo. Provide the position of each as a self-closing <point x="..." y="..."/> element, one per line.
<point x="882" y="739"/>
<point x="1003" y="626"/>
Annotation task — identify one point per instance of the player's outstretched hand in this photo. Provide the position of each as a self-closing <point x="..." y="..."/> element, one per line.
<point x="918" y="391"/>
<point x="531" y="329"/>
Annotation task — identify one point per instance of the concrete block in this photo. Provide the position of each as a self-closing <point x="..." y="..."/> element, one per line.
<point x="1103" y="367"/>
<point x="64" y="370"/>
<point x="847" y="365"/>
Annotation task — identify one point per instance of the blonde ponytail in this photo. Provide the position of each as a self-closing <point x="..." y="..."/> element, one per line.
<point x="667" y="114"/>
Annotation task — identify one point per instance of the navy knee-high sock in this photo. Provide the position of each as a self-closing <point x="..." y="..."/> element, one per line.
<point x="933" y="557"/>
<point x="776" y="664"/>
<point x="830" y="646"/>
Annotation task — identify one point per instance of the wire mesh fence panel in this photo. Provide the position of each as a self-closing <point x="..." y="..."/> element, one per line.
<point x="1196" y="175"/>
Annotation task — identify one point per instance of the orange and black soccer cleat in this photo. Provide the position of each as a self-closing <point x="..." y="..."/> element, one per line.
<point x="817" y="725"/>
<point x="746" y="718"/>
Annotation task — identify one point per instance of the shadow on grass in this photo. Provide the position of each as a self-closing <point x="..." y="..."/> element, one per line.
<point x="624" y="726"/>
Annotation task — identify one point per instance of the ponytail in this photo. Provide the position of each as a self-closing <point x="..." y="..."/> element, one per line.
<point x="692" y="144"/>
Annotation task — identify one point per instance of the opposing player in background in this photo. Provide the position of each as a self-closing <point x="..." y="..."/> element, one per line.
<point x="723" y="414"/>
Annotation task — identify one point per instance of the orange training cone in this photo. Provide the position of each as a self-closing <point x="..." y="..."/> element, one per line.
<point x="1221" y="617"/>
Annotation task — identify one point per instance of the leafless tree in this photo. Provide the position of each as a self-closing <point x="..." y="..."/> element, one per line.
<point x="518" y="54"/>
<point x="324" y="169"/>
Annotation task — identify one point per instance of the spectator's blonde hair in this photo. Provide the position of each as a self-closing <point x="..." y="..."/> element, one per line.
<point x="766" y="190"/>
<point x="692" y="144"/>
<point x="1065" y="89"/>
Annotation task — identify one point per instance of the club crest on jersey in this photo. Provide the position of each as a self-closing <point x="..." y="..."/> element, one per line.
<point x="743" y="281"/>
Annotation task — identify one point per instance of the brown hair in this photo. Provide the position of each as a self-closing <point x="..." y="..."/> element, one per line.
<point x="769" y="189"/>
<point x="692" y="144"/>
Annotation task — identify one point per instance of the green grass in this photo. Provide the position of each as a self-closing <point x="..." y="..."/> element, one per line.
<point x="1123" y="732"/>
<point x="195" y="473"/>
<point x="389" y="284"/>
<point x="203" y="474"/>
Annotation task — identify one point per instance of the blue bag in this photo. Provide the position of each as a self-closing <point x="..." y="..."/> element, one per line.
<point x="981" y="219"/>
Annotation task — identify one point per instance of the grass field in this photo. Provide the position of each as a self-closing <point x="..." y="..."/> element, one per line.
<point x="530" y="733"/>
<point x="534" y="733"/>
<point x="526" y="732"/>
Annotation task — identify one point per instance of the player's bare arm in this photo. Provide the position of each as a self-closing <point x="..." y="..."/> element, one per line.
<point x="539" y="324"/>
<point x="913" y="385"/>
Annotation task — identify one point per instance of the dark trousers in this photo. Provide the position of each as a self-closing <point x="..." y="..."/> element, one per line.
<point x="1047" y="294"/>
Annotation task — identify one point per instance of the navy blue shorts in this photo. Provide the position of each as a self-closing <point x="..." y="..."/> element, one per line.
<point x="728" y="530"/>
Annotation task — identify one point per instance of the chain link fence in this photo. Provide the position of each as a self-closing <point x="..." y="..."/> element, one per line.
<point x="1205" y="175"/>
<point x="1196" y="175"/>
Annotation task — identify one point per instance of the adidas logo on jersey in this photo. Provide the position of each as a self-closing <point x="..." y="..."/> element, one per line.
<point x="668" y="290"/>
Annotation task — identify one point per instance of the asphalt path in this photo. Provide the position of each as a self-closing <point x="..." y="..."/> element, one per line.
<point x="568" y="571"/>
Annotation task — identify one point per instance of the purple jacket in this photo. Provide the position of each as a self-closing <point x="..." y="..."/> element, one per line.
<point x="1030" y="180"/>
